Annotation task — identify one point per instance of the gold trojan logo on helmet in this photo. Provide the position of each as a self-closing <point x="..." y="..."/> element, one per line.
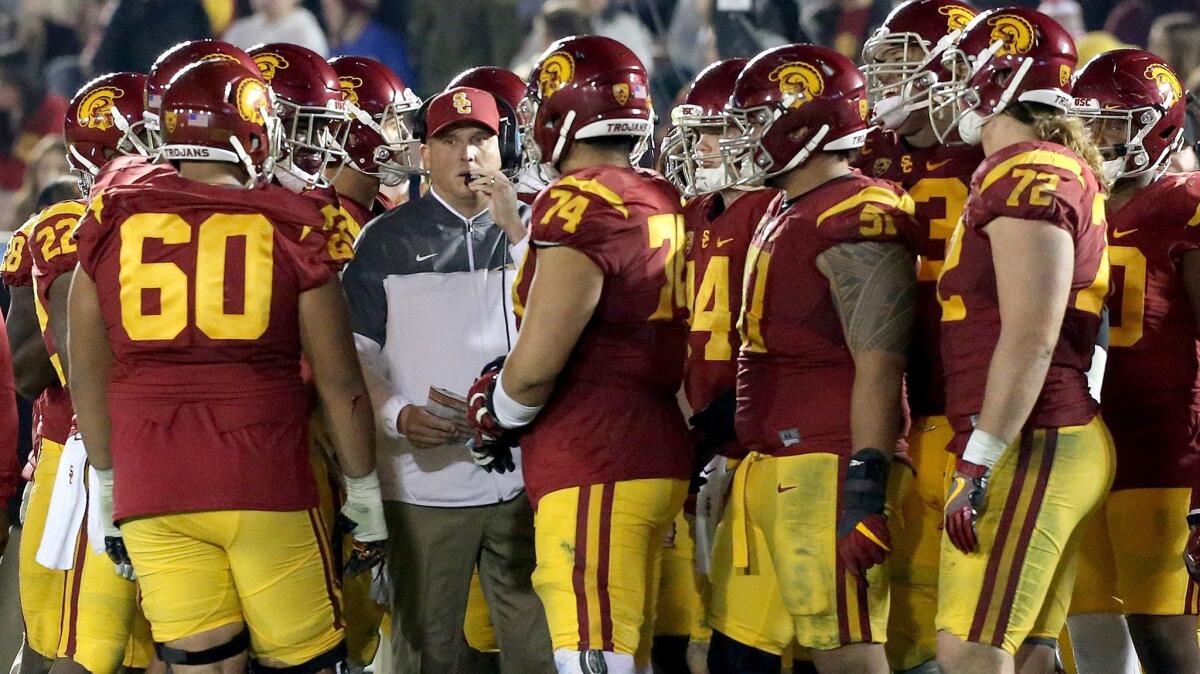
<point x="557" y="70"/>
<point x="252" y="100"/>
<point x="1014" y="32"/>
<point x="957" y="16"/>
<point x="350" y="85"/>
<point x="798" y="80"/>
<point x="96" y="110"/>
<point x="1168" y="83"/>
<point x="269" y="63"/>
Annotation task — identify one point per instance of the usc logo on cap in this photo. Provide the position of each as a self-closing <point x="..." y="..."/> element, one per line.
<point x="461" y="103"/>
<point x="799" y="80"/>
<point x="96" y="110"/>
<point x="270" y="63"/>
<point x="957" y="16"/>
<point x="1015" y="33"/>
<point x="252" y="100"/>
<point x="557" y="70"/>
<point x="350" y="87"/>
<point x="1168" y="83"/>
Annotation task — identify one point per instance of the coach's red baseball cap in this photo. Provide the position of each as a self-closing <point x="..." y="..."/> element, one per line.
<point x="462" y="104"/>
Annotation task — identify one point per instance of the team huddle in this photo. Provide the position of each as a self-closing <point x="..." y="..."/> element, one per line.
<point x="937" y="401"/>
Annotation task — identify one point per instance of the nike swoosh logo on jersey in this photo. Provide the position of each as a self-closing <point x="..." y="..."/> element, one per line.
<point x="935" y="165"/>
<point x="722" y="242"/>
<point x="422" y="258"/>
<point x="1118" y="234"/>
<point x="782" y="489"/>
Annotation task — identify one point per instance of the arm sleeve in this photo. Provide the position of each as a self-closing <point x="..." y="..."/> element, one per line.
<point x="879" y="214"/>
<point x="579" y="219"/>
<point x="1043" y="192"/>
<point x="10" y="468"/>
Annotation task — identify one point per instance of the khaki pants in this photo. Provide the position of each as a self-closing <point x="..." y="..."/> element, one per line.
<point x="434" y="552"/>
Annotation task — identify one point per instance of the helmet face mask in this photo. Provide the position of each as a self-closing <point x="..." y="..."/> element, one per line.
<point x="313" y="139"/>
<point x="743" y="152"/>
<point x="691" y="152"/>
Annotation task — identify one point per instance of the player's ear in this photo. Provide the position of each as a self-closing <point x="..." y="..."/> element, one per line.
<point x="425" y="155"/>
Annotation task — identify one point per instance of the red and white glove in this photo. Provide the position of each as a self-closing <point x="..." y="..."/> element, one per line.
<point x="965" y="502"/>
<point x="863" y="539"/>
<point x="491" y="448"/>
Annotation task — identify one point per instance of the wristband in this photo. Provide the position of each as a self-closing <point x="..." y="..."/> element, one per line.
<point x="510" y="413"/>
<point x="365" y="488"/>
<point x="984" y="448"/>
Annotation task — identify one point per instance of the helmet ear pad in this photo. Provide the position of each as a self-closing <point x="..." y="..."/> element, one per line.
<point x="419" y="124"/>
<point x="509" y="138"/>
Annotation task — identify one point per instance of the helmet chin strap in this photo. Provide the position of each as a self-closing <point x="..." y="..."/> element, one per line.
<point x="563" y="134"/>
<point x="247" y="162"/>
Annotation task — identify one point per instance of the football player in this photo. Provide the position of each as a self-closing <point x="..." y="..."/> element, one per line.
<point x="380" y="147"/>
<point x="719" y="220"/>
<point x="826" y="318"/>
<point x="40" y="588"/>
<point x="1022" y="290"/>
<point x="312" y="109"/>
<point x="96" y="624"/>
<point x="591" y="381"/>
<point x="1135" y="106"/>
<point x="197" y="291"/>
<point x="899" y="69"/>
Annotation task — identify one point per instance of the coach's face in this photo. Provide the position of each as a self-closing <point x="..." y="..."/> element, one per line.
<point x="453" y="155"/>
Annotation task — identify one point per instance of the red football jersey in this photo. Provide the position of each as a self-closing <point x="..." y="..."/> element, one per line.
<point x="795" y="371"/>
<point x="199" y="285"/>
<point x="937" y="178"/>
<point x="717" y="240"/>
<point x="613" y="414"/>
<point x="1152" y="382"/>
<point x="53" y="253"/>
<point x="344" y="221"/>
<point x="1032" y="181"/>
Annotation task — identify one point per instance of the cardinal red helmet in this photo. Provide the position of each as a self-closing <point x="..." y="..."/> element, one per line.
<point x="1004" y="56"/>
<point x="496" y="81"/>
<point x="1141" y="93"/>
<point x="790" y="102"/>
<point x="104" y="120"/>
<point x="901" y="57"/>
<point x="380" y="142"/>
<point x="175" y="59"/>
<point x="218" y="111"/>
<point x="308" y="98"/>
<point x="585" y="87"/>
<point x="701" y="112"/>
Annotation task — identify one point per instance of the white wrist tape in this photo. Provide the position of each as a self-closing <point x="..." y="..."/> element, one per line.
<point x="510" y="413"/>
<point x="983" y="448"/>
<point x="365" y="488"/>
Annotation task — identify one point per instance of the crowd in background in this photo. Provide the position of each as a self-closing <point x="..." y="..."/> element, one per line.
<point x="48" y="48"/>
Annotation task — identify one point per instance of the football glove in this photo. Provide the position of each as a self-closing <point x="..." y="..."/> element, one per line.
<point x="862" y="532"/>
<point x="1191" y="551"/>
<point x="114" y="543"/>
<point x="362" y="518"/>
<point x="491" y="448"/>
<point x="965" y="502"/>
<point x="715" y="423"/>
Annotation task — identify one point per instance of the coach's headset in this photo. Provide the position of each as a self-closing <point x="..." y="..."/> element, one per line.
<point x="509" y="137"/>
